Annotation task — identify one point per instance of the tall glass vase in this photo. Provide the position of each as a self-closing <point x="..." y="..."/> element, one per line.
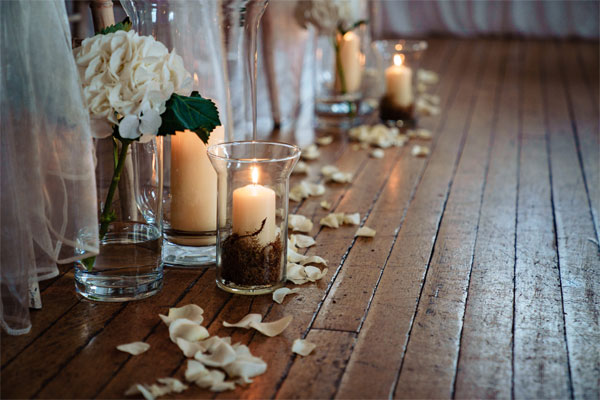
<point x="128" y="266"/>
<point x="193" y="29"/>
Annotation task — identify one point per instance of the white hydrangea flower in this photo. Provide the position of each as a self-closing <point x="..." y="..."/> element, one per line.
<point x="326" y="15"/>
<point x="129" y="77"/>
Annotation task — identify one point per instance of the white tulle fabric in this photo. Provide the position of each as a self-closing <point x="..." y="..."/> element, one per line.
<point x="47" y="188"/>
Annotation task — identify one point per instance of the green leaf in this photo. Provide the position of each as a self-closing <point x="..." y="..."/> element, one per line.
<point x="124" y="25"/>
<point x="343" y="30"/>
<point x="194" y="113"/>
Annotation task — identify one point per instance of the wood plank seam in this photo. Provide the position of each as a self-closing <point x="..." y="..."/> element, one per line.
<point x="576" y="136"/>
<point x="39" y="335"/>
<point x="79" y="349"/>
<point x="333" y="278"/>
<point x="440" y="219"/>
<point x="519" y="144"/>
<point x="493" y="128"/>
<point x="152" y="330"/>
<point x="411" y="198"/>
<point x="544" y="94"/>
<point x="344" y="257"/>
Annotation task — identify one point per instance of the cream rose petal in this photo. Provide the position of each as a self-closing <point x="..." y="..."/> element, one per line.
<point x="138" y="388"/>
<point x="191" y="312"/>
<point x="311" y="152"/>
<point x="195" y="369"/>
<point x="220" y="355"/>
<point x="299" y="223"/>
<point x="300" y="168"/>
<point x="174" y="385"/>
<point x="246" y="365"/>
<point x="279" y="294"/>
<point x="420" y="151"/>
<point x="266" y="328"/>
<point x="324" y="141"/>
<point x="188" y="348"/>
<point x="330" y="220"/>
<point x="352" y="219"/>
<point x="134" y="348"/>
<point x="302" y="241"/>
<point x="303" y="347"/>
<point x="365" y="231"/>
<point x="187" y="330"/>
<point x="325" y="205"/>
<point x="314" y="260"/>
<point x="377" y="153"/>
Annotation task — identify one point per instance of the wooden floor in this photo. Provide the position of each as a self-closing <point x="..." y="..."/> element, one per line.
<point x="483" y="279"/>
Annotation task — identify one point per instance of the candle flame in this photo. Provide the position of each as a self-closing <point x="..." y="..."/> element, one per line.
<point x="398" y="59"/>
<point x="196" y="80"/>
<point x="254" y="174"/>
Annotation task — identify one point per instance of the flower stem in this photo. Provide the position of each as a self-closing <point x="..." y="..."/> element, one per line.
<point x="108" y="214"/>
<point x="339" y="66"/>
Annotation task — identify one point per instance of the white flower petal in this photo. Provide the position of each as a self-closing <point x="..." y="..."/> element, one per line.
<point x="134" y="348"/>
<point x="191" y="312"/>
<point x="324" y="141"/>
<point x="187" y="330"/>
<point x="280" y="294"/>
<point x="266" y="328"/>
<point x="365" y="232"/>
<point x="299" y="223"/>
<point x="220" y="355"/>
<point x="128" y="127"/>
<point x="302" y="241"/>
<point x="303" y="347"/>
<point x="352" y="219"/>
<point x="150" y="122"/>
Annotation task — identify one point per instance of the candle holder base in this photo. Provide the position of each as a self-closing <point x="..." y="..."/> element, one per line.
<point x="248" y="290"/>
<point x="342" y="112"/>
<point x="403" y="117"/>
<point x="189" y="251"/>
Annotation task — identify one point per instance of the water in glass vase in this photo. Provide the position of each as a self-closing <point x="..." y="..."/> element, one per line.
<point x="127" y="267"/>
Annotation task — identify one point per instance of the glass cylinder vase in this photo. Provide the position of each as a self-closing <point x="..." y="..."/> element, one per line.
<point x="252" y="234"/>
<point x="194" y="31"/>
<point x="400" y="64"/>
<point x="128" y="266"/>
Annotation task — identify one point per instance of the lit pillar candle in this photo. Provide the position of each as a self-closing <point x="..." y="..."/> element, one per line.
<point x="193" y="186"/>
<point x="350" y="59"/>
<point x="251" y="205"/>
<point x="398" y="80"/>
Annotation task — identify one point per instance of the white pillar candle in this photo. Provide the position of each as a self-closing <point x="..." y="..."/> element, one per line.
<point x="251" y="205"/>
<point x="193" y="186"/>
<point x="398" y="80"/>
<point x="350" y="58"/>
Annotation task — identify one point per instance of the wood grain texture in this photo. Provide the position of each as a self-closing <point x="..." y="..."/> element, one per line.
<point x="481" y="282"/>
<point x="485" y="364"/>
<point x="380" y="347"/>
<point x="429" y="364"/>
<point x="578" y="256"/>
<point x="540" y="355"/>
<point x="346" y="303"/>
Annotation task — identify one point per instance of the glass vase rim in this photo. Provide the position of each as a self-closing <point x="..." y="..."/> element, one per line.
<point x="408" y="45"/>
<point x="295" y="151"/>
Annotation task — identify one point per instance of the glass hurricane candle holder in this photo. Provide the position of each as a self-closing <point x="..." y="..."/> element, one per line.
<point x="400" y="65"/>
<point x="252" y="231"/>
<point x="194" y="31"/>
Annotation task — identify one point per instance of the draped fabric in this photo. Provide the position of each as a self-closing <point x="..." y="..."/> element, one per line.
<point x="533" y="18"/>
<point x="47" y="188"/>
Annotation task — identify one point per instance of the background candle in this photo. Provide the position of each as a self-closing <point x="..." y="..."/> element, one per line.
<point x="251" y="205"/>
<point x="398" y="80"/>
<point x="350" y="58"/>
<point x="193" y="186"/>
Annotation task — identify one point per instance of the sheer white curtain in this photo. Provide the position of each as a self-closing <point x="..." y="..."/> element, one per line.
<point x="47" y="188"/>
<point x="537" y="18"/>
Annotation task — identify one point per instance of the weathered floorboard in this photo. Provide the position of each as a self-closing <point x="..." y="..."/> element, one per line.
<point x="540" y="354"/>
<point x="429" y="364"/>
<point x="578" y="256"/>
<point x="485" y="365"/>
<point x="380" y="346"/>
